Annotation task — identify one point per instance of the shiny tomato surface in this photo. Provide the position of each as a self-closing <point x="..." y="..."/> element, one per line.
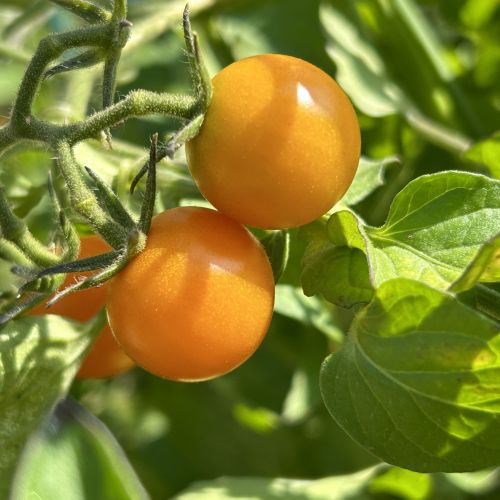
<point x="105" y="358"/>
<point x="197" y="302"/>
<point x="280" y="143"/>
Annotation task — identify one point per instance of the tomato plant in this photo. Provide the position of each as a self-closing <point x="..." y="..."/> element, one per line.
<point x="279" y="145"/>
<point x="384" y="342"/>
<point x="197" y="302"/>
<point x="105" y="358"/>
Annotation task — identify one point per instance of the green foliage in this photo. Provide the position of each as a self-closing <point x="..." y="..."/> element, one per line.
<point x="398" y="287"/>
<point x="337" y="488"/>
<point x="369" y="176"/>
<point x="487" y="154"/>
<point x="39" y="356"/>
<point x="417" y="380"/>
<point x="74" y="456"/>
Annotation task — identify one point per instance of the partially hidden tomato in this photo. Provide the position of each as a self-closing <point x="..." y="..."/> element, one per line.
<point x="279" y="145"/>
<point x="105" y="358"/>
<point x="197" y="302"/>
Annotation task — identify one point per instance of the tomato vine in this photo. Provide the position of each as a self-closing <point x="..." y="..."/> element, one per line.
<point x="104" y="38"/>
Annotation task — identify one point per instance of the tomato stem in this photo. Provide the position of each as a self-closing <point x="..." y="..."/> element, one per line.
<point x="84" y="200"/>
<point x="135" y="244"/>
<point x="148" y="204"/>
<point x="101" y="41"/>
<point x="110" y="202"/>
<point x="86" y="10"/>
<point x="13" y="229"/>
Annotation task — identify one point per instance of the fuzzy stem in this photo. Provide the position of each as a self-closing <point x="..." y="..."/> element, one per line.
<point x="110" y="201"/>
<point x="84" y="201"/>
<point x="137" y="103"/>
<point x="120" y="9"/>
<point x="86" y="10"/>
<point x="49" y="49"/>
<point x="148" y="204"/>
<point x="7" y="138"/>
<point x="15" y="230"/>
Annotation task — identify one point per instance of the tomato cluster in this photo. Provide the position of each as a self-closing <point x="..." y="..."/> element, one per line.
<point x="279" y="146"/>
<point x="105" y="358"/>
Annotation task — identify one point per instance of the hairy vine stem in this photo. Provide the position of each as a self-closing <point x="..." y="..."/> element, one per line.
<point x="102" y="40"/>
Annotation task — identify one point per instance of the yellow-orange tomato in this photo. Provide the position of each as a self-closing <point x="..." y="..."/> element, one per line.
<point x="280" y="143"/>
<point x="105" y="358"/>
<point x="197" y="302"/>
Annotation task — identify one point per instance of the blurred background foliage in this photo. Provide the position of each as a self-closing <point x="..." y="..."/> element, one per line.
<point x="424" y="79"/>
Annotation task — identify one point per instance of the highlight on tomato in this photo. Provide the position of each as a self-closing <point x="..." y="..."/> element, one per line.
<point x="105" y="358"/>
<point x="197" y="302"/>
<point x="279" y="145"/>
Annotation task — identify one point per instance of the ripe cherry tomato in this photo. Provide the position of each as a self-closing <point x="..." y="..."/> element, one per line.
<point x="280" y="143"/>
<point x="197" y="302"/>
<point x="105" y="358"/>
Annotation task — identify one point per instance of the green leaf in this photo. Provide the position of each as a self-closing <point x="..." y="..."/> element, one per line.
<point x="291" y="302"/>
<point x="346" y="228"/>
<point x="485" y="267"/>
<point x="417" y="381"/>
<point x="340" y="274"/>
<point x="475" y="483"/>
<point x="435" y="229"/>
<point x="250" y="28"/>
<point x="39" y="356"/>
<point x="477" y="13"/>
<point x="487" y="299"/>
<point x="333" y="488"/>
<point x="364" y="39"/>
<point x="303" y="403"/>
<point x="369" y="176"/>
<point x="487" y="153"/>
<point x="75" y="457"/>
<point x="277" y="247"/>
<point x="403" y="483"/>
<point x="360" y="69"/>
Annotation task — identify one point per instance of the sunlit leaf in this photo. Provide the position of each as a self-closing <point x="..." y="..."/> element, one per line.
<point x="435" y="228"/>
<point x="485" y="267"/>
<point x="417" y="381"/>
<point x="487" y="153"/>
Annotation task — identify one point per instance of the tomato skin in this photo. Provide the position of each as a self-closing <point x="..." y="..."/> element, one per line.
<point x="197" y="302"/>
<point x="279" y="145"/>
<point x="105" y="357"/>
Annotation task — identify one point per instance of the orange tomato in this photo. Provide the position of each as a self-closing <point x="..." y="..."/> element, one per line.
<point x="197" y="302"/>
<point x="279" y="145"/>
<point x="105" y="358"/>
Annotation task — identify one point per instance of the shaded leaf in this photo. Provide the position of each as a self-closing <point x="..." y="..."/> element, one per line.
<point x="277" y="246"/>
<point x="291" y="302"/>
<point x="333" y="488"/>
<point x="39" y="356"/>
<point x="369" y="176"/>
<point x="360" y="70"/>
<point x="75" y="457"/>
<point x="338" y="273"/>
